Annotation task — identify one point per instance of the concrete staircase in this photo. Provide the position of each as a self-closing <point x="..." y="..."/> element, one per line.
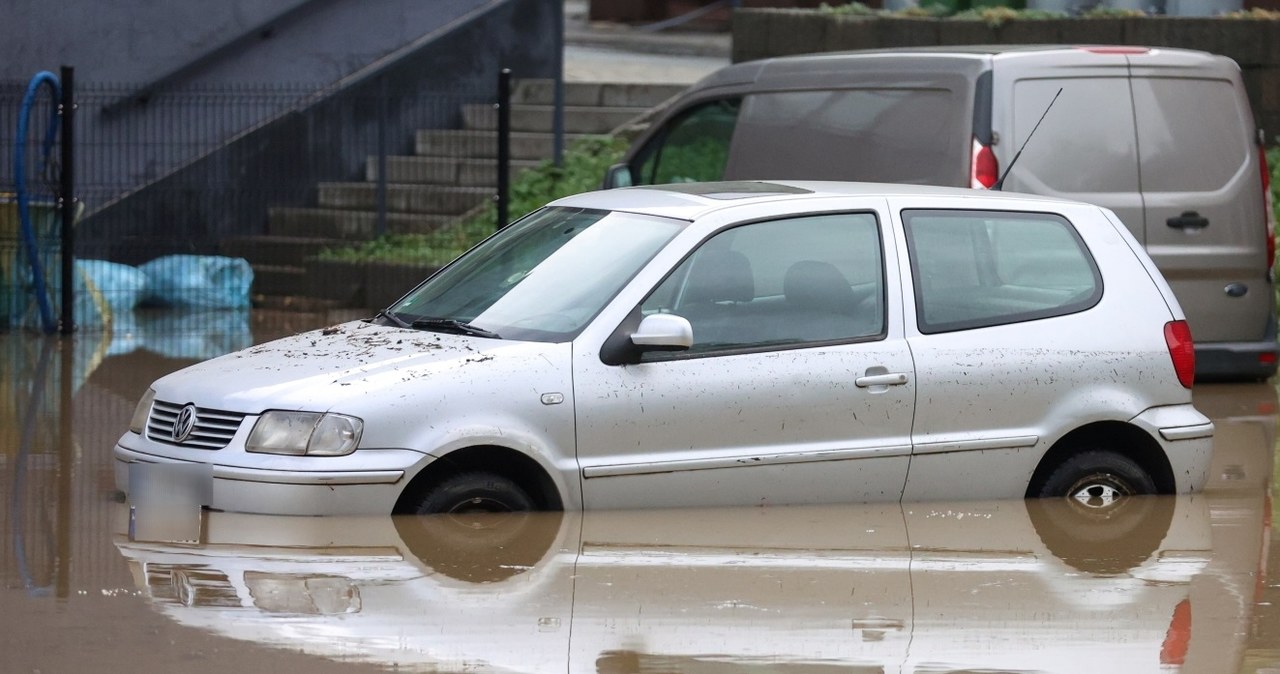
<point x="451" y="172"/>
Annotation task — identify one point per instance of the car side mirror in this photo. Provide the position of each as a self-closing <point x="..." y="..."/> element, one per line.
<point x="618" y="175"/>
<point x="663" y="332"/>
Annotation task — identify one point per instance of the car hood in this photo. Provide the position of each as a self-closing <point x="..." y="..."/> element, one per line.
<point x="346" y="365"/>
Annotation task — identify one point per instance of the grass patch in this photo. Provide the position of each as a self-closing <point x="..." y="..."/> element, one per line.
<point x="582" y="170"/>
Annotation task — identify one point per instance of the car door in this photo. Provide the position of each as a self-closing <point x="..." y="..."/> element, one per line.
<point x="798" y="387"/>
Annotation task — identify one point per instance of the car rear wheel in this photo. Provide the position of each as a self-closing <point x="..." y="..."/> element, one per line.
<point x="475" y="492"/>
<point x="1096" y="480"/>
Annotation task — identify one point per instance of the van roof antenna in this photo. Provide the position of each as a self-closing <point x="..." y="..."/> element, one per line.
<point x="1000" y="183"/>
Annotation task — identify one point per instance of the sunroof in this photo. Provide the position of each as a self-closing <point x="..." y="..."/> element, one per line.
<point x="732" y="189"/>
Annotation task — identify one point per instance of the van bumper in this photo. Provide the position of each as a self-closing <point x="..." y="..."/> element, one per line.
<point x="1238" y="361"/>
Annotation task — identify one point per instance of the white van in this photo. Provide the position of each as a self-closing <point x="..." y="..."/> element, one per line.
<point x="1163" y="137"/>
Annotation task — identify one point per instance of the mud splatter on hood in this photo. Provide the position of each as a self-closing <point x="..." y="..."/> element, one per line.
<point x="318" y="369"/>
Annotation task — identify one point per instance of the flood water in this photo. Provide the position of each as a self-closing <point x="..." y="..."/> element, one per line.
<point x="1167" y="584"/>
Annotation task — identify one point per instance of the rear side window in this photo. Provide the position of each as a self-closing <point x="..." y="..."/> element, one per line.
<point x="1193" y="134"/>
<point x="901" y="135"/>
<point x="976" y="269"/>
<point x="693" y="147"/>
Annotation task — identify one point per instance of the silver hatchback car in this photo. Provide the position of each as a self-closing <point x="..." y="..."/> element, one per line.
<point x="717" y="344"/>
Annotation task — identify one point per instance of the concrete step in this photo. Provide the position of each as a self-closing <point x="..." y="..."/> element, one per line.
<point x="443" y="170"/>
<point x="269" y="279"/>
<point x="542" y="92"/>
<point x="276" y="250"/>
<point x="347" y="224"/>
<point x="401" y="198"/>
<point x="577" y="118"/>
<point x="484" y="144"/>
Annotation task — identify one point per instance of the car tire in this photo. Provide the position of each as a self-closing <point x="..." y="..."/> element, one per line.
<point x="474" y="492"/>
<point x="1096" y="479"/>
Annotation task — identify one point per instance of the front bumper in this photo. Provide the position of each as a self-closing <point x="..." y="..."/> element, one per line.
<point x="365" y="482"/>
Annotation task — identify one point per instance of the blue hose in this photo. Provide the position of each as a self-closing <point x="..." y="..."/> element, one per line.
<point x="46" y="78"/>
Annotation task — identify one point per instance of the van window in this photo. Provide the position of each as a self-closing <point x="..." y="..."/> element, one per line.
<point x="1193" y="135"/>
<point x="779" y="283"/>
<point x="693" y="147"/>
<point x="1086" y="143"/>
<point x="974" y="269"/>
<point x="901" y="135"/>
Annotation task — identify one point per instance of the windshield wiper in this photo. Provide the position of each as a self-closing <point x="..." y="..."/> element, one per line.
<point x="383" y="313"/>
<point x="455" y="326"/>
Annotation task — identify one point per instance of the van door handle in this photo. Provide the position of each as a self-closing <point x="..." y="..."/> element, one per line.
<point x="889" y="379"/>
<point x="1189" y="220"/>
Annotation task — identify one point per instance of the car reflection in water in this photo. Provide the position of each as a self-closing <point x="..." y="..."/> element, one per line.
<point x="991" y="586"/>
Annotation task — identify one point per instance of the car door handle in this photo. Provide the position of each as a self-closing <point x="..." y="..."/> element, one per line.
<point x="890" y="379"/>
<point x="1189" y="220"/>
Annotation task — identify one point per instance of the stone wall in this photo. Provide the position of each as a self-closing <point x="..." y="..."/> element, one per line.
<point x="1254" y="44"/>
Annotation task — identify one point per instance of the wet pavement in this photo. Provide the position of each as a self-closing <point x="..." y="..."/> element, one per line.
<point x="1165" y="584"/>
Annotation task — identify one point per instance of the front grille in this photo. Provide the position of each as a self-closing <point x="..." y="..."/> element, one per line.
<point x="213" y="428"/>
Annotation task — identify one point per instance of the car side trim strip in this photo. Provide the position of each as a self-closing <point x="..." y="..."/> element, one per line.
<point x="1015" y="442"/>
<point x="1187" y="432"/>
<point x="618" y="470"/>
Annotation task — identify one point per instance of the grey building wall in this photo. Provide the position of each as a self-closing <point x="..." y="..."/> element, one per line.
<point x="172" y="171"/>
<point x="139" y="41"/>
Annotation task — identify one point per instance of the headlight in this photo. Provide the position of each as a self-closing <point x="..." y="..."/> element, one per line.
<point x="304" y="433"/>
<point x="142" y="411"/>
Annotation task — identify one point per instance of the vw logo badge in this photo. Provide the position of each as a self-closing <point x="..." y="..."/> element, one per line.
<point x="184" y="424"/>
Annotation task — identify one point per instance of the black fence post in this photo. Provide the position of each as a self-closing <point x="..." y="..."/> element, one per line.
<point x="557" y="118"/>
<point x="504" y="144"/>
<point x="382" y="157"/>
<point x="68" y="198"/>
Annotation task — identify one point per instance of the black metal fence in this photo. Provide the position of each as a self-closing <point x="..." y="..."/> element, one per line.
<point x="271" y="174"/>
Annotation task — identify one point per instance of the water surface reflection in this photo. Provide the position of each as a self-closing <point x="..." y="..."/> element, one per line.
<point x="1166" y="584"/>
<point x="943" y="587"/>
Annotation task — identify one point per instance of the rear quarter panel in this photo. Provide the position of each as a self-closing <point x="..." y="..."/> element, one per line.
<point x="991" y="401"/>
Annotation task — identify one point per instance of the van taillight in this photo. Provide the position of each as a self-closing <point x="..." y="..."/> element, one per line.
<point x="984" y="173"/>
<point x="1268" y="206"/>
<point x="1174" y="649"/>
<point x="1177" y="335"/>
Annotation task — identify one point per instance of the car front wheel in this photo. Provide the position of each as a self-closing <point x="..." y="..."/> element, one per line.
<point x="475" y="492"/>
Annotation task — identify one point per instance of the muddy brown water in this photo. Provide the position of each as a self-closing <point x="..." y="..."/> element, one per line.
<point x="1166" y="584"/>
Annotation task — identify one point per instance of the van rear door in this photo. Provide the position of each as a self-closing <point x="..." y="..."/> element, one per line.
<point x="1086" y="148"/>
<point x="1204" y="226"/>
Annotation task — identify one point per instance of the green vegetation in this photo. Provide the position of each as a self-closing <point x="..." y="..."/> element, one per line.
<point x="1255" y="13"/>
<point x="582" y="170"/>
<point x="1101" y="12"/>
<point x="849" y="9"/>
<point x="1273" y="162"/>
<point x="996" y="16"/>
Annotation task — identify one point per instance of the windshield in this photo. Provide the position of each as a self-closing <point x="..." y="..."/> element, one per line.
<point x="542" y="278"/>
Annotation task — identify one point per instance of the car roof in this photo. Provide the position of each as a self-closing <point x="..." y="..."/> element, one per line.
<point x="689" y="201"/>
